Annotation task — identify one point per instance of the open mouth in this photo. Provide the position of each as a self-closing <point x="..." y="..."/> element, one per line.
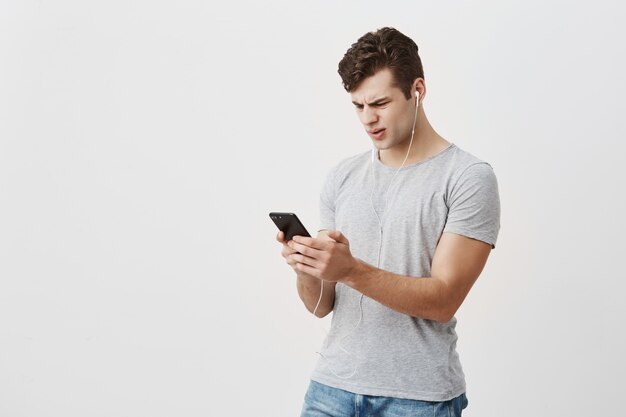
<point x="377" y="133"/>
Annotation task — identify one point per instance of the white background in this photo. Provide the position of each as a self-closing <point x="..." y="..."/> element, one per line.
<point x="143" y="143"/>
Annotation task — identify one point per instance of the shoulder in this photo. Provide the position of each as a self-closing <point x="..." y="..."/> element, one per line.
<point x="464" y="165"/>
<point x="353" y="161"/>
<point x="346" y="166"/>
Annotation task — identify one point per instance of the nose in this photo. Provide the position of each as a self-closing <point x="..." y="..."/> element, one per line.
<point x="369" y="115"/>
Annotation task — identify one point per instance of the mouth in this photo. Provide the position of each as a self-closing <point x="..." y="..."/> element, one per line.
<point x="376" y="134"/>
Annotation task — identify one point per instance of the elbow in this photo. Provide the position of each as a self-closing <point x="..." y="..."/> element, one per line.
<point x="444" y="318"/>
<point x="446" y="314"/>
<point x="321" y="313"/>
<point x="448" y="304"/>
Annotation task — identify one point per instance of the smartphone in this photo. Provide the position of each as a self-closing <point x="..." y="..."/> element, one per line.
<point x="289" y="224"/>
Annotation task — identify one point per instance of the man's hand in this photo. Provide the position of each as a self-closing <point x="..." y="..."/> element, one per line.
<point x="310" y="286"/>
<point x="326" y="258"/>
<point x="287" y="251"/>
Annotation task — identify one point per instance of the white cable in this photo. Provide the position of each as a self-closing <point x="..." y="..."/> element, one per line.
<point x="319" y="299"/>
<point x="393" y="178"/>
<point x="380" y="244"/>
<point x="391" y="182"/>
<point x="342" y="348"/>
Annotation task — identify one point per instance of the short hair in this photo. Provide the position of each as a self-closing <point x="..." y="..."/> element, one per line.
<point x="374" y="51"/>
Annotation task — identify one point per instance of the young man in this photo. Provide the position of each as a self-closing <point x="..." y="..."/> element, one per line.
<point x="405" y="232"/>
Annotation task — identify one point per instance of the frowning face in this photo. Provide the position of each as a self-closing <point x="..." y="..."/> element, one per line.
<point x="384" y="111"/>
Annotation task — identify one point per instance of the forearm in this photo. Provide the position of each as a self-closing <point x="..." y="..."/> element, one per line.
<point x="309" y="291"/>
<point x="418" y="297"/>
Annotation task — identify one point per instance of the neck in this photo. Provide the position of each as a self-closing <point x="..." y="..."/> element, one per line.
<point x="426" y="143"/>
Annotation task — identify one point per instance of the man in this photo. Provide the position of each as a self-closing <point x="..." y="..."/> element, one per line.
<point x="405" y="232"/>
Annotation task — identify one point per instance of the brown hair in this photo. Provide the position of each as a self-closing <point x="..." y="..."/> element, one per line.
<point x="374" y="51"/>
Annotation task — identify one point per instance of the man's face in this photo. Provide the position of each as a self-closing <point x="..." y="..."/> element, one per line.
<point x="386" y="114"/>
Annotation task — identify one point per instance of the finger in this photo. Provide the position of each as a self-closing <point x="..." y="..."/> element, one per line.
<point x="292" y="264"/>
<point x="323" y="235"/>
<point x="305" y="250"/>
<point x="301" y="259"/>
<point x="318" y="244"/>
<point x="287" y="251"/>
<point x="307" y="270"/>
<point x="280" y="236"/>
<point x="338" y="236"/>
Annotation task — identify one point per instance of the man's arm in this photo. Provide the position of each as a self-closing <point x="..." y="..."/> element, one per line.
<point x="457" y="263"/>
<point x="308" y="286"/>
<point x="309" y="291"/>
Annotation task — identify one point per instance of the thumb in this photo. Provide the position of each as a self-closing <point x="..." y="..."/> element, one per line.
<point x="337" y="236"/>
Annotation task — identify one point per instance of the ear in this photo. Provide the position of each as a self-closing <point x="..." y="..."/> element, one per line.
<point x="419" y="88"/>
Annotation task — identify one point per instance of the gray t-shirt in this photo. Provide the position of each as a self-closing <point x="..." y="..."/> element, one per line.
<point x="384" y="352"/>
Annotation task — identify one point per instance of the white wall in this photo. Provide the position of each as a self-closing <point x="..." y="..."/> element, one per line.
<point x="143" y="143"/>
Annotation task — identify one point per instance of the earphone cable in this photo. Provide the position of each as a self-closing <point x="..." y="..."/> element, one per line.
<point x="380" y="243"/>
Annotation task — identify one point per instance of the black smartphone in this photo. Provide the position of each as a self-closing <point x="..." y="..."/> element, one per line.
<point x="289" y="224"/>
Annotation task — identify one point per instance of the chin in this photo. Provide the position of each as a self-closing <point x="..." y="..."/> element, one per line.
<point x="383" y="146"/>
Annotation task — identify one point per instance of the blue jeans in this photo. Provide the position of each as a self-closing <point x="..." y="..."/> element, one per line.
<point x="324" y="401"/>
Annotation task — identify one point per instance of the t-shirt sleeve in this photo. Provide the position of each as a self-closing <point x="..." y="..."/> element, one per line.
<point x="327" y="202"/>
<point x="474" y="205"/>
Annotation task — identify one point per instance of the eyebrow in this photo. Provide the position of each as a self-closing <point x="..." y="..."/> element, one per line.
<point x="375" y="102"/>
